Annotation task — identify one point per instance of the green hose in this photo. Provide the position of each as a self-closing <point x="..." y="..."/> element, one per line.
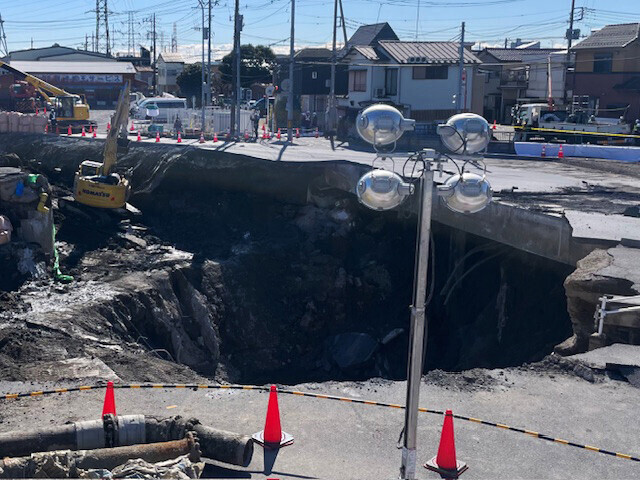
<point x="57" y="274"/>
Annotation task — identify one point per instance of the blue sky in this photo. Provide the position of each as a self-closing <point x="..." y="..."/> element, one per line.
<point x="267" y="21"/>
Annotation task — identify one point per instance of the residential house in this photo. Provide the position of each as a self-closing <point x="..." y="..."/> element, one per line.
<point x="520" y="75"/>
<point x="606" y="77"/>
<point x="169" y="66"/>
<point x="419" y="78"/>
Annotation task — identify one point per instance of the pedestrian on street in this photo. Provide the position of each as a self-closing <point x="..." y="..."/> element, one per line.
<point x="255" y="118"/>
<point x="177" y="126"/>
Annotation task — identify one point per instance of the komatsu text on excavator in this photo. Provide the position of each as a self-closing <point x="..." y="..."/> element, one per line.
<point x="96" y="183"/>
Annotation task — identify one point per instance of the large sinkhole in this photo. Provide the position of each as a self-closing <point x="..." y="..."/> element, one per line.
<point x="311" y="293"/>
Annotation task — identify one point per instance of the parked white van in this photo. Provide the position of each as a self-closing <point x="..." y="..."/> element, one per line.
<point x="167" y="108"/>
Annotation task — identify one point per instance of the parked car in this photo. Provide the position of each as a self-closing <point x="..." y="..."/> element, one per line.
<point x="165" y="106"/>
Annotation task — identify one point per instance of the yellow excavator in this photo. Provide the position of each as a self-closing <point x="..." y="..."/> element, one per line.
<point x="71" y="110"/>
<point x="96" y="184"/>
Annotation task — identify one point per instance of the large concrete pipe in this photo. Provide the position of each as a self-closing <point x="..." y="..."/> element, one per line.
<point x="220" y="445"/>
<point x="102" y="458"/>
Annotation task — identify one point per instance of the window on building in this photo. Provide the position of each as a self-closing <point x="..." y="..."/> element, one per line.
<point x="391" y="81"/>
<point x="431" y="72"/>
<point x="358" y="81"/>
<point x="314" y="75"/>
<point x="602" y="62"/>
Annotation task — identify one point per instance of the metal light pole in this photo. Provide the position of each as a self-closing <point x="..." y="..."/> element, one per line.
<point x="465" y="192"/>
<point x="419" y="327"/>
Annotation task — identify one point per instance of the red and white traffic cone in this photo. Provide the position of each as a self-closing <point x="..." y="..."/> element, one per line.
<point x="317" y="133"/>
<point x="45" y="109"/>
<point x="37" y="111"/>
<point x="108" y="127"/>
<point x="109" y="405"/>
<point x="246" y="136"/>
<point x="278" y="135"/>
<point x="69" y="132"/>
<point x="272" y="437"/>
<point x="215" y="138"/>
<point x="139" y="139"/>
<point x="157" y="137"/>
<point x="560" y="152"/>
<point x="132" y="128"/>
<point x="46" y="128"/>
<point x="94" y="135"/>
<point x="445" y="462"/>
<point x="494" y="126"/>
<point x="179" y="138"/>
<point x="83" y="134"/>
<point x="297" y="133"/>
<point x="201" y="137"/>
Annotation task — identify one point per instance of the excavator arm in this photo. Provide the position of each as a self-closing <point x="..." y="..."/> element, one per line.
<point x="44" y="87"/>
<point x="119" y="121"/>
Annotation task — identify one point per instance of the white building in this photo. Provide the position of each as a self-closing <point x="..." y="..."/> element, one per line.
<point x="420" y="78"/>
<point x="169" y="65"/>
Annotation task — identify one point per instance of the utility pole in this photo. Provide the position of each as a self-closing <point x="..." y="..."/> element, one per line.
<point x="417" y="20"/>
<point x="96" y="44"/>
<point x="155" y="67"/>
<point x="291" y="67"/>
<point x="344" y="26"/>
<point x="235" y="108"/>
<point x="86" y="42"/>
<point x="568" y="59"/>
<point x="331" y="124"/>
<point x="209" y="58"/>
<point x="459" y="100"/>
<point x="106" y="26"/>
<point x="202" y="84"/>
<point x="3" y="39"/>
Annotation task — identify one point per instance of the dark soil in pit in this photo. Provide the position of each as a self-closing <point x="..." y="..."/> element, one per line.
<point x="244" y="288"/>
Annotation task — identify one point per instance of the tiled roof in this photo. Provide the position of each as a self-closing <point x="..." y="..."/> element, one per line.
<point x="518" y="54"/>
<point x="611" y="36"/>
<point x="369" y="34"/>
<point x="426" y="52"/>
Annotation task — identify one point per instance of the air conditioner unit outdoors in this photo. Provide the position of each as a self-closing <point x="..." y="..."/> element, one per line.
<point x="379" y="92"/>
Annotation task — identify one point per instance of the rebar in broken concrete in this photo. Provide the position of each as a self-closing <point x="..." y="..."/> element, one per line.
<point x="102" y="458"/>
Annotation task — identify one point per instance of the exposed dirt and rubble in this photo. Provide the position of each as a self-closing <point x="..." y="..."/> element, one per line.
<point x="210" y="281"/>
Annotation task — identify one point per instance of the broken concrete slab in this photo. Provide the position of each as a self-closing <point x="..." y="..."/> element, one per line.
<point x="72" y="368"/>
<point x="594" y="225"/>
<point x="617" y="353"/>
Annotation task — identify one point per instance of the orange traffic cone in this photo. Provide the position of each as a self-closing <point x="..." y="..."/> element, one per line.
<point x="543" y="153"/>
<point x="317" y="133"/>
<point x="201" y="138"/>
<point x="560" y="152"/>
<point x="109" y="406"/>
<point x="69" y="131"/>
<point x="445" y="462"/>
<point x="84" y="134"/>
<point x="138" y="139"/>
<point x="297" y="133"/>
<point x="132" y="128"/>
<point x="215" y="138"/>
<point x="179" y="138"/>
<point x="278" y="135"/>
<point x="157" y="137"/>
<point x="272" y="437"/>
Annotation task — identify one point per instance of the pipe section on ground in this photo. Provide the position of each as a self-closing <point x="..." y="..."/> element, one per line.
<point x="124" y="430"/>
<point x="102" y="458"/>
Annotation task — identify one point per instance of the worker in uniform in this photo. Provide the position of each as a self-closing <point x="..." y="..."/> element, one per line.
<point x="177" y="126"/>
<point x="53" y="120"/>
<point x="255" y="118"/>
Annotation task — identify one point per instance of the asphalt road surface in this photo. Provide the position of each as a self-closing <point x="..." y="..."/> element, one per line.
<point x="340" y="440"/>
